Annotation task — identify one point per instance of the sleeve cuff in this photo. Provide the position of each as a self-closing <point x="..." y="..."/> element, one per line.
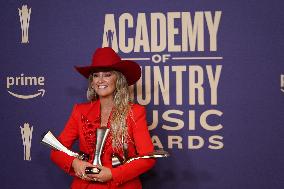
<point x="68" y="166"/>
<point x="116" y="176"/>
<point x="63" y="161"/>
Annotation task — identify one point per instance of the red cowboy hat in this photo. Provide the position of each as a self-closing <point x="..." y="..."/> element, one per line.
<point x="106" y="58"/>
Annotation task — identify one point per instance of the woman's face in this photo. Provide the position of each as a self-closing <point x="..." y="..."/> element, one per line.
<point x="104" y="83"/>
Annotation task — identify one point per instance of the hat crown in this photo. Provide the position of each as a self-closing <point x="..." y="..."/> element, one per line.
<point x="105" y="57"/>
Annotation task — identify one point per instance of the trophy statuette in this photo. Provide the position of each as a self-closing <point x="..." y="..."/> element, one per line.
<point x="116" y="161"/>
<point x="50" y="140"/>
<point x="102" y="134"/>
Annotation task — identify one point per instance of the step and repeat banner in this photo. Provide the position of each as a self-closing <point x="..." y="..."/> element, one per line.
<point x="212" y="84"/>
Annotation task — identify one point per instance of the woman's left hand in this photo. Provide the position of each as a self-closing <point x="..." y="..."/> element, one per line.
<point x="104" y="175"/>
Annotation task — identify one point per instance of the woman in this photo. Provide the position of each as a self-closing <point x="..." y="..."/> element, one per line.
<point x="109" y="107"/>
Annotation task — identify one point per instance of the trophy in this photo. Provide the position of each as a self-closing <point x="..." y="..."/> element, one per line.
<point x="50" y="140"/>
<point x="116" y="161"/>
<point x="102" y="134"/>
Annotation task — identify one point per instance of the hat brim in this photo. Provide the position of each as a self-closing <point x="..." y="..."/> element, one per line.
<point x="131" y="70"/>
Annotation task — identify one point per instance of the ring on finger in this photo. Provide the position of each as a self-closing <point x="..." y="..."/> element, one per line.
<point x="81" y="176"/>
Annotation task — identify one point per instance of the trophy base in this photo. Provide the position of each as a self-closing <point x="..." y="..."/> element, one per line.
<point x="92" y="170"/>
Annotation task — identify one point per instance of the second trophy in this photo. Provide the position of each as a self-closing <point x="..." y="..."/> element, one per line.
<point x="102" y="134"/>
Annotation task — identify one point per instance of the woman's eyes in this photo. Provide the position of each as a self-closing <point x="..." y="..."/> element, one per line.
<point x="107" y="75"/>
<point x="103" y="75"/>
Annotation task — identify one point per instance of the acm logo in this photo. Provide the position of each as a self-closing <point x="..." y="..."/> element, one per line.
<point x="25" y="14"/>
<point x="26" y="132"/>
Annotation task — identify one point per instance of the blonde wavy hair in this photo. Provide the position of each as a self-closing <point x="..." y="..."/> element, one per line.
<point x="120" y="111"/>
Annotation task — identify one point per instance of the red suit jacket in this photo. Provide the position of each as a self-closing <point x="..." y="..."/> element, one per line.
<point x="82" y="125"/>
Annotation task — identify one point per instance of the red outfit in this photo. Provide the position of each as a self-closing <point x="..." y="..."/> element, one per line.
<point x="82" y="125"/>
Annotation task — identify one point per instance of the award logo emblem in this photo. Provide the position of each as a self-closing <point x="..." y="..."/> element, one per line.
<point x="109" y="34"/>
<point x="25" y="15"/>
<point x="27" y="132"/>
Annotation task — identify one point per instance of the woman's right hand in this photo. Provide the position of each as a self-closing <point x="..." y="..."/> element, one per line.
<point x="79" y="167"/>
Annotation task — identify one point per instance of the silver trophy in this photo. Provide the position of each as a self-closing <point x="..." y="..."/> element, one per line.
<point x="50" y="140"/>
<point x="116" y="161"/>
<point x="102" y="134"/>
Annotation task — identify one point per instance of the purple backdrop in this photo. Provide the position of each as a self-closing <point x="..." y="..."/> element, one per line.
<point x="61" y="34"/>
